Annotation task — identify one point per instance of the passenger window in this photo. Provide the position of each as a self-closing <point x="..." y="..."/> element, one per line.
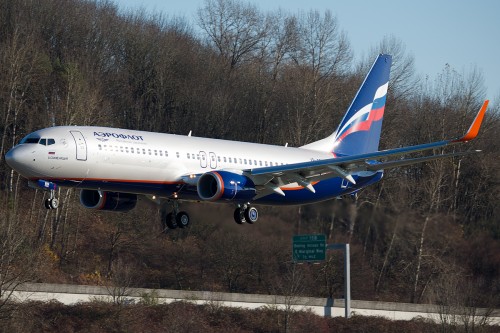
<point x="225" y="159"/>
<point x="177" y="154"/>
<point x="230" y="160"/>
<point x="189" y="156"/>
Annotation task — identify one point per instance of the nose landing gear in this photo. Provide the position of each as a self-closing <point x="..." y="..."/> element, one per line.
<point x="52" y="202"/>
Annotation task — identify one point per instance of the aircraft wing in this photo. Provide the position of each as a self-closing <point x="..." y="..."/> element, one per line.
<point x="270" y="179"/>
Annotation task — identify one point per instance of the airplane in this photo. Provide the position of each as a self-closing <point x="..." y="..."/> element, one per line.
<point x="112" y="166"/>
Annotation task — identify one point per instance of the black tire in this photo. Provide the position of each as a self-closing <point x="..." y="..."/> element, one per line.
<point x="182" y="219"/>
<point x="251" y="215"/>
<point x="53" y="203"/>
<point x="238" y="216"/>
<point x="170" y="221"/>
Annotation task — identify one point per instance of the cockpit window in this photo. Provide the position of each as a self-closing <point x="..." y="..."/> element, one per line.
<point x="36" y="139"/>
<point x="30" y="139"/>
<point x="47" y="142"/>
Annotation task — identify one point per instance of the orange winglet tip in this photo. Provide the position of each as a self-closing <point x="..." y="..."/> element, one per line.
<point x="476" y="124"/>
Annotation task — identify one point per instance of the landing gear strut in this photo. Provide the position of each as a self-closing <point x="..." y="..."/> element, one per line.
<point x="176" y="218"/>
<point x="246" y="213"/>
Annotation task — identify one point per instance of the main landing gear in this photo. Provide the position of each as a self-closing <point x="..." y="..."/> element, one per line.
<point x="176" y="219"/>
<point x="245" y="213"/>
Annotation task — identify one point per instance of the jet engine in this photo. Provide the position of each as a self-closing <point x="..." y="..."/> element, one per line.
<point x="113" y="201"/>
<point x="224" y="185"/>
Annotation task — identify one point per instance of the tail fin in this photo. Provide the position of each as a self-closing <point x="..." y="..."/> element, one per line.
<point x="359" y="130"/>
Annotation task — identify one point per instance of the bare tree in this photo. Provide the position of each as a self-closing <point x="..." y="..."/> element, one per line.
<point x="289" y="286"/>
<point x="120" y="282"/>
<point x="18" y="258"/>
<point x="235" y="29"/>
<point x="320" y="57"/>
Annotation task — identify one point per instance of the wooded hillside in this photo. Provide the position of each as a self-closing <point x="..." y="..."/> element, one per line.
<point x="426" y="233"/>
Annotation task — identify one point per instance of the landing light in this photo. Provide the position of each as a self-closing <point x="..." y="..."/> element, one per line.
<point x="175" y="195"/>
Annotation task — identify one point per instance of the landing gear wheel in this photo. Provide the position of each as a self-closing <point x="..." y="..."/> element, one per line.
<point x="251" y="215"/>
<point x="170" y="221"/>
<point x="239" y="216"/>
<point x="51" y="203"/>
<point x="182" y="219"/>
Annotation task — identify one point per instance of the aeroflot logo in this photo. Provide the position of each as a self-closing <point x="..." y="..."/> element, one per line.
<point x="118" y="136"/>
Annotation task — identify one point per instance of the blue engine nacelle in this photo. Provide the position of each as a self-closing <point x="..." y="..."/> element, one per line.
<point x="223" y="185"/>
<point x="114" y="201"/>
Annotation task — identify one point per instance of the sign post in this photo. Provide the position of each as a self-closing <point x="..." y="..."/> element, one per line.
<point x="347" y="275"/>
<point x="312" y="248"/>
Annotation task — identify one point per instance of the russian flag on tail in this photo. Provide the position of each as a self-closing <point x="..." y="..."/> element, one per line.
<point x="359" y="131"/>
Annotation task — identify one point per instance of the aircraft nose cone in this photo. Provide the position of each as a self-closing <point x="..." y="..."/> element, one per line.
<point x="9" y="158"/>
<point x="15" y="159"/>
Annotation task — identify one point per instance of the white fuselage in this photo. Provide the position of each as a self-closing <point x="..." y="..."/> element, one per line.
<point x="102" y="155"/>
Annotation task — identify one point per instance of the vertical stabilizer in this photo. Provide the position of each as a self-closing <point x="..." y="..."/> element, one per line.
<point x="359" y="130"/>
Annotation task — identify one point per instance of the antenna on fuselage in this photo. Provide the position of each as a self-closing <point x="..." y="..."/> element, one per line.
<point x="190" y="133"/>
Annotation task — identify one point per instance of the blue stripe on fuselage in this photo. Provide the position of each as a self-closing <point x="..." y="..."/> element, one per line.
<point x="325" y="189"/>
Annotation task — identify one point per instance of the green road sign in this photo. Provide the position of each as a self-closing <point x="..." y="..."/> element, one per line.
<point x="309" y="247"/>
